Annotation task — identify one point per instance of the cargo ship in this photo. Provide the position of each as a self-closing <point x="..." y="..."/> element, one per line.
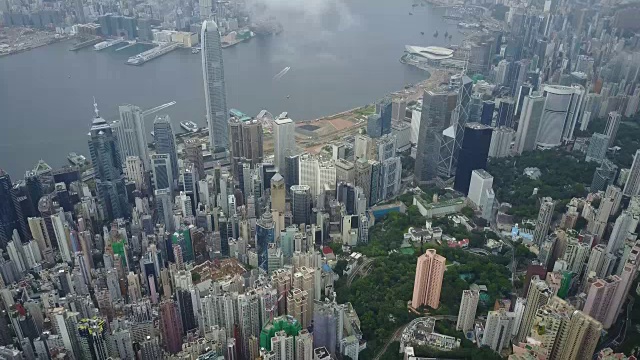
<point x="189" y="126"/>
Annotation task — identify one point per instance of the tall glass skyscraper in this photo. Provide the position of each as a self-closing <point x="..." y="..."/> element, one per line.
<point x="166" y="142"/>
<point x="8" y="220"/>
<point x="105" y="157"/>
<point x="214" y="89"/>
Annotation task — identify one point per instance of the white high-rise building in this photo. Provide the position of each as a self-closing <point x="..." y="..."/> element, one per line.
<point x="560" y="115"/>
<point x="467" y="312"/>
<point x="498" y="329"/>
<point x="131" y="133"/>
<point x="544" y="220"/>
<point x="317" y="174"/>
<point x="61" y="230"/>
<point x="285" y="142"/>
<point x="481" y="181"/>
<point x="529" y="123"/>
<point x="214" y="89"/>
<point x="632" y="186"/>
<point x="623" y="226"/>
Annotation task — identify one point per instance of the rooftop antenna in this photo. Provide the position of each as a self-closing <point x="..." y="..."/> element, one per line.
<point x="95" y="108"/>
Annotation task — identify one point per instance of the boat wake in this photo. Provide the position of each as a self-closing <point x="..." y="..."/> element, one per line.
<point x="282" y="73"/>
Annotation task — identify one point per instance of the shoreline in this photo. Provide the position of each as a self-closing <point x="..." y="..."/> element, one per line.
<point x="52" y="41"/>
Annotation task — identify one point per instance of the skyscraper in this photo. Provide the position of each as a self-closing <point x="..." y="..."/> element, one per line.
<point x="544" y="220"/>
<point x="162" y="172"/>
<point x="285" y="142"/>
<point x="214" y="89"/>
<point x="600" y="297"/>
<point x="529" y="123"/>
<point x="131" y="133"/>
<point x="8" y="220"/>
<point x="473" y="154"/>
<point x="467" y="312"/>
<point x="435" y="118"/>
<point x="560" y="115"/>
<point x="611" y="129"/>
<point x="428" y="281"/>
<point x="627" y="277"/>
<point x="246" y="142"/>
<point x="301" y="204"/>
<point x="498" y="329"/>
<point x="105" y="157"/>
<point x="166" y="142"/>
<point x="632" y="186"/>
<point x="604" y="176"/>
<point x="598" y="146"/>
<point x="278" y="193"/>
<point x="538" y="295"/>
<point x="171" y="326"/>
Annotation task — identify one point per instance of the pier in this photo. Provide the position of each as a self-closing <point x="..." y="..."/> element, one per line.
<point x="85" y="43"/>
<point x="151" y="54"/>
<point x="130" y="44"/>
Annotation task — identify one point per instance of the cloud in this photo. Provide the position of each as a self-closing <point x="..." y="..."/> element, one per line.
<point x="313" y="15"/>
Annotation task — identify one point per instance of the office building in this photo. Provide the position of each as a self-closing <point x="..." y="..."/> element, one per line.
<point x="611" y="129"/>
<point x="529" y="123"/>
<point x="632" y="185"/>
<point x="131" y="133"/>
<point x="278" y="193"/>
<point x="539" y="294"/>
<point x="544" y="220"/>
<point x="284" y="142"/>
<point x="428" y="281"/>
<point x="467" y="312"/>
<point x="560" y="115"/>
<point x="246" y="143"/>
<point x="345" y="171"/>
<point x="481" y="181"/>
<point x="214" y="89"/>
<point x="8" y="218"/>
<point x="435" y="118"/>
<point x="498" y="329"/>
<point x="473" y="154"/>
<point x="166" y="142"/>
<point x="598" y="146"/>
<point x="301" y="204"/>
<point x="604" y="176"/>
<point x="501" y="140"/>
<point x="110" y="181"/>
<point x="486" y="116"/>
<point x="162" y="172"/>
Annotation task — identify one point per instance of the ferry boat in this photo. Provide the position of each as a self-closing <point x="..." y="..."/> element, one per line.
<point x="75" y="159"/>
<point x="189" y="126"/>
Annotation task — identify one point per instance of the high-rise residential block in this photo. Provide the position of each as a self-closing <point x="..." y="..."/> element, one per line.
<point x="600" y="297"/>
<point x="214" y="88"/>
<point x="544" y="220"/>
<point x="627" y="277"/>
<point x="467" y="312"/>
<point x="498" y="329"/>
<point x="539" y="294"/>
<point x="632" y="186"/>
<point x="428" y="281"/>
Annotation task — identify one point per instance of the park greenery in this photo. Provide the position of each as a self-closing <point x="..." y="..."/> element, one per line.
<point x="627" y="138"/>
<point x="381" y="297"/>
<point x="564" y="175"/>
